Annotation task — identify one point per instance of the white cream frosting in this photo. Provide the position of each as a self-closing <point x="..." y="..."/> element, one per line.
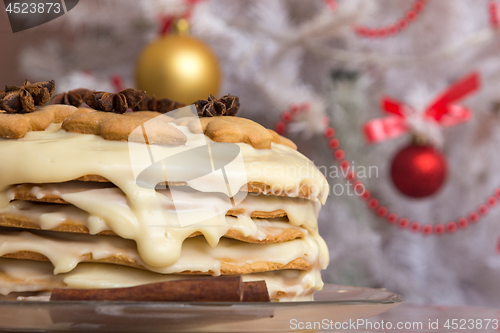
<point x="54" y="156"/>
<point x="50" y="216"/>
<point x="37" y="276"/>
<point x="111" y="203"/>
<point x="65" y="251"/>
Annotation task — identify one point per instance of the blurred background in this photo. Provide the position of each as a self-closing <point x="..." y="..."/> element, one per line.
<point x="426" y="225"/>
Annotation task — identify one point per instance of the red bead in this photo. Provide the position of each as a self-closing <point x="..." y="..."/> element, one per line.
<point x="492" y="201"/>
<point x="331" y="5"/>
<point x="325" y="121"/>
<point x="392" y="217"/>
<point x="362" y="31"/>
<point x="334" y="143"/>
<point x="497" y="192"/>
<point x="339" y="154"/>
<point x="415" y="226"/>
<point x="345" y="164"/>
<point x="404" y="222"/>
<point x="382" y="32"/>
<point x="411" y="15"/>
<point x="329" y="132"/>
<point x="427" y="229"/>
<point x="403" y="24"/>
<point x="493" y="6"/>
<point x="280" y="127"/>
<point x="351" y="175"/>
<point x="473" y="217"/>
<point x="393" y="29"/>
<point x="357" y="184"/>
<point x="463" y="222"/>
<point x="451" y="226"/>
<point x="295" y="108"/>
<point x="373" y="203"/>
<point x="418" y="6"/>
<point x="483" y="209"/>
<point x="366" y="195"/>
<point x="382" y="211"/>
<point x="305" y="107"/>
<point x="439" y="229"/>
<point x="372" y="33"/>
<point x="287" y="116"/>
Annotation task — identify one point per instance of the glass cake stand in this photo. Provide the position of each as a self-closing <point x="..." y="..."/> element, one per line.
<point x="334" y="304"/>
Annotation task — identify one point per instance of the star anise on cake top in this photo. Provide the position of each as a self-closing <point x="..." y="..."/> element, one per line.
<point x="74" y="97"/>
<point x="159" y="105"/>
<point x="117" y="103"/>
<point x="26" y="98"/>
<point x="227" y="105"/>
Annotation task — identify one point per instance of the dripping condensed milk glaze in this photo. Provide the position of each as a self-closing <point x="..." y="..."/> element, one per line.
<point x="54" y="156"/>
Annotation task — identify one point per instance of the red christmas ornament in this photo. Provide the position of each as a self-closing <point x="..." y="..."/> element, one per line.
<point x="418" y="170"/>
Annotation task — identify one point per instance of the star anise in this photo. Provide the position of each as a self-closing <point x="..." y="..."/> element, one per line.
<point x="24" y="99"/>
<point x="160" y="105"/>
<point x="73" y="97"/>
<point x="117" y="103"/>
<point x="224" y="106"/>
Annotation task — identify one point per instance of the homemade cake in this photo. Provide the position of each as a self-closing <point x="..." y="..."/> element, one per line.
<point x="104" y="197"/>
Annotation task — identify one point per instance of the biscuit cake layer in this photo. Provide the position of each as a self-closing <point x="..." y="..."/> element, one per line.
<point x="29" y="276"/>
<point x="65" y="251"/>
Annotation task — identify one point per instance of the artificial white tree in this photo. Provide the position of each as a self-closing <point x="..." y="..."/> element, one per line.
<point x="276" y="53"/>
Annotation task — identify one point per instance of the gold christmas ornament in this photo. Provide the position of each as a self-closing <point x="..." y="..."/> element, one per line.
<point x="179" y="67"/>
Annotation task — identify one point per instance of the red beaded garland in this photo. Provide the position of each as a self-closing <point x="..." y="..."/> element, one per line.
<point x="494" y="19"/>
<point x="329" y="132"/>
<point x="473" y="217"/>
<point x="439" y="229"/>
<point x="463" y="222"/>
<point x="366" y="195"/>
<point x="373" y="203"/>
<point x="339" y="154"/>
<point x="483" y="209"/>
<point x="404" y="222"/>
<point x="392" y="217"/>
<point x="451" y="226"/>
<point x="345" y="164"/>
<point x="280" y="127"/>
<point x="415" y="226"/>
<point x="287" y="116"/>
<point x="334" y="143"/>
<point x="427" y="229"/>
<point x="382" y="211"/>
<point x="391" y="30"/>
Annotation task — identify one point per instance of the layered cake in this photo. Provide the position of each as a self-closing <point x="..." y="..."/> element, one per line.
<point x="102" y="190"/>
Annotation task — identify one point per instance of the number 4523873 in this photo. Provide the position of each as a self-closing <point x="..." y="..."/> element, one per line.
<point x="33" y="8"/>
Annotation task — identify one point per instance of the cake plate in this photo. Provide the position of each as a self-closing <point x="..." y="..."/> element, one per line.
<point x="334" y="306"/>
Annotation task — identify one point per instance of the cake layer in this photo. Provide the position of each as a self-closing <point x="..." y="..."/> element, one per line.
<point x="31" y="276"/>
<point x="68" y="218"/>
<point x="229" y="257"/>
<point x="54" y="156"/>
<point x="301" y="212"/>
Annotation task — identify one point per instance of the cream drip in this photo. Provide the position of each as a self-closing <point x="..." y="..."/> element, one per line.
<point x="53" y="156"/>
<point x="65" y="251"/>
<point x="49" y="216"/>
<point x="24" y="275"/>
